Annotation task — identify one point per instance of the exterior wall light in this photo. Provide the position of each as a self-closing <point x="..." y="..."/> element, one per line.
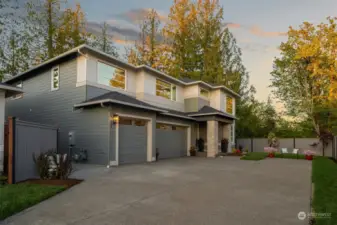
<point x="115" y="119"/>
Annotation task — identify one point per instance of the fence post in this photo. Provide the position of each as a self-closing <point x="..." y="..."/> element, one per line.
<point x="11" y="150"/>
<point x="294" y="142"/>
<point x="251" y="144"/>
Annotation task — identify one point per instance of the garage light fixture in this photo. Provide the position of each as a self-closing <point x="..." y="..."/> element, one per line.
<point x="115" y="119"/>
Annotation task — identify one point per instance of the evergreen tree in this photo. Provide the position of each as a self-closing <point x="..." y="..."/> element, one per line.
<point x="14" y="40"/>
<point x="103" y="42"/>
<point x="147" y="49"/>
<point x="180" y="34"/>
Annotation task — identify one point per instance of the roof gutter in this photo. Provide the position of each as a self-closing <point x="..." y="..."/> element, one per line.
<point x="175" y="115"/>
<point x="46" y="62"/>
<point x="101" y="102"/>
<point x="211" y="114"/>
<point x="215" y="87"/>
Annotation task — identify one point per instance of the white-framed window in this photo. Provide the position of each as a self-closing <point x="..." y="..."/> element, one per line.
<point x="55" y="78"/>
<point x="110" y="75"/>
<point x="18" y="85"/>
<point x="204" y="93"/>
<point x="232" y="133"/>
<point x="229" y="105"/>
<point x="166" y="90"/>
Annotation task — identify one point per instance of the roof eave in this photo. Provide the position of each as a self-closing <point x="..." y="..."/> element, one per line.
<point x="10" y="91"/>
<point x="212" y="114"/>
<point x="81" y="105"/>
<point x="179" y="116"/>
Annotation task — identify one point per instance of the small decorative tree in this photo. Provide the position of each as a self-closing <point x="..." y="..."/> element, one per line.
<point x="272" y="140"/>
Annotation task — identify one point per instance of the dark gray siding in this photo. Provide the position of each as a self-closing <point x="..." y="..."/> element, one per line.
<point x="40" y="104"/>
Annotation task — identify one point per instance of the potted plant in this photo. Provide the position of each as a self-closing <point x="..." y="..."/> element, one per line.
<point x="193" y="151"/>
<point x="224" y="145"/>
<point x="271" y="154"/>
<point x="309" y="155"/>
<point x="201" y="144"/>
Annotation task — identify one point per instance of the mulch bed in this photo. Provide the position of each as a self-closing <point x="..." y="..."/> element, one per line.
<point x="67" y="183"/>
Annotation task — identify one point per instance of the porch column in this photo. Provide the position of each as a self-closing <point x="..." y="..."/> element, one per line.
<point x="212" y="138"/>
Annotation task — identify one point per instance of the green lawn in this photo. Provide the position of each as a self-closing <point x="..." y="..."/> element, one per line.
<point x="324" y="177"/>
<point x="255" y="156"/>
<point x="17" y="197"/>
<point x="263" y="155"/>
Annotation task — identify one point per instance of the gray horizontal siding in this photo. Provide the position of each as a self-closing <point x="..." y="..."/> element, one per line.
<point x="40" y="104"/>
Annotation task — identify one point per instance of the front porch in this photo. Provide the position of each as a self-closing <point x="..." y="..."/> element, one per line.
<point x="212" y="132"/>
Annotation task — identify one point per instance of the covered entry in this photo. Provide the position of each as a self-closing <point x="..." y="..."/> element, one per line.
<point x="132" y="140"/>
<point x="171" y="141"/>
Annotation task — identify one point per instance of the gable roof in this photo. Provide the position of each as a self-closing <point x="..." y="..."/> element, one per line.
<point x="77" y="50"/>
<point x="10" y="90"/>
<point x="115" y="97"/>
<point x="210" y="111"/>
<point x="118" y="98"/>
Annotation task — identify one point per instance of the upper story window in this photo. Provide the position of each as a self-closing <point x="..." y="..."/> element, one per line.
<point x="18" y="85"/>
<point x="229" y="105"/>
<point x="166" y="90"/>
<point x="55" y="78"/>
<point x="232" y="134"/>
<point x="204" y="93"/>
<point x="111" y="76"/>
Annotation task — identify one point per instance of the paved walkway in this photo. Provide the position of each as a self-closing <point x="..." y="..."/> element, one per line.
<point x="182" y="192"/>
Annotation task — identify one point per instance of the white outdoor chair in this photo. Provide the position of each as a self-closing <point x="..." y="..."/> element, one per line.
<point x="284" y="150"/>
<point x="295" y="151"/>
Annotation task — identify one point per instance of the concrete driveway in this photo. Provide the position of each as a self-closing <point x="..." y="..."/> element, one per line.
<point x="182" y="191"/>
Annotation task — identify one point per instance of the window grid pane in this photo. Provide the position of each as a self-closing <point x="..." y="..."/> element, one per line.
<point x="56" y="78"/>
<point x="163" y="89"/>
<point x="229" y="105"/>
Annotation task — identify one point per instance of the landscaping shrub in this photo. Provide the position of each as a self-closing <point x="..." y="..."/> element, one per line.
<point x="51" y="165"/>
<point x="42" y="165"/>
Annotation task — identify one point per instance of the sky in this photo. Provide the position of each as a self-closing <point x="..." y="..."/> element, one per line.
<point x="258" y="25"/>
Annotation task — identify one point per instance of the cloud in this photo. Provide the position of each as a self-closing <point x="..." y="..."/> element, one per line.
<point x="233" y="25"/>
<point x="256" y="30"/>
<point x="117" y="32"/>
<point x="136" y="15"/>
<point x="123" y="41"/>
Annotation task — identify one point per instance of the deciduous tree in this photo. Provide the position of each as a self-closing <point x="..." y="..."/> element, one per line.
<point x="305" y="76"/>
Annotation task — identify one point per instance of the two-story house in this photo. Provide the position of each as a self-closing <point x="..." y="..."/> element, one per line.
<point x="121" y="113"/>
